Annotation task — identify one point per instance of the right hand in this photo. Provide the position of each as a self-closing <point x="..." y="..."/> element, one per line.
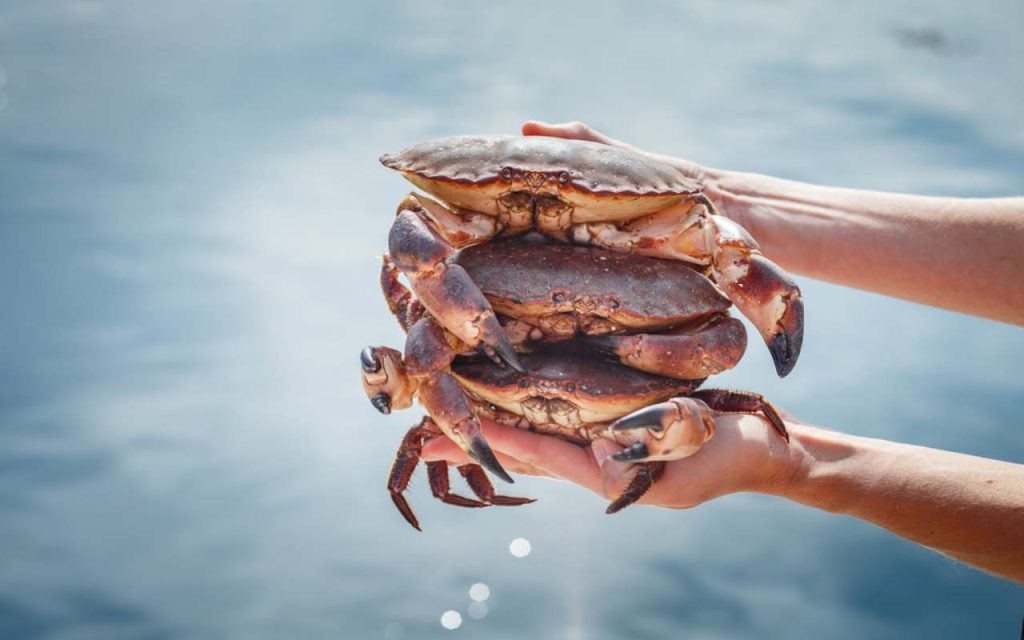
<point x="727" y="203"/>
<point x="580" y="131"/>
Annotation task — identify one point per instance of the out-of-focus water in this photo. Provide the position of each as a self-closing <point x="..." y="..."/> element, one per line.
<point x="190" y="214"/>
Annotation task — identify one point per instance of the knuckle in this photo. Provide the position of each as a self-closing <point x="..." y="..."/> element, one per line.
<point x="578" y="127"/>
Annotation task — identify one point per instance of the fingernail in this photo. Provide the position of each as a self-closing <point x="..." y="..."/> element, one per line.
<point x="602" y="449"/>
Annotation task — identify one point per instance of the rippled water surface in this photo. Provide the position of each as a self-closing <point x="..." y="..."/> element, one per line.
<point x="190" y="214"/>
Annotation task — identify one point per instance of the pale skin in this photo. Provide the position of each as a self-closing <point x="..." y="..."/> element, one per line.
<point x="954" y="253"/>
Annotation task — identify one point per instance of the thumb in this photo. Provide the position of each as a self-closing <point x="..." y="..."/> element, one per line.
<point x="615" y="475"/>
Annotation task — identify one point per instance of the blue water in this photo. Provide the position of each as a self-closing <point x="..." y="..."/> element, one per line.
<point x="190" y="214"/>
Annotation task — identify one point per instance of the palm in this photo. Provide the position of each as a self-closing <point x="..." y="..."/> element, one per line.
<point x="733" y="460"/>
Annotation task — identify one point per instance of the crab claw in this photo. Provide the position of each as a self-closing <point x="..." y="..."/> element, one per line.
<point x="686" y="354"/>
<point x="647" y="418"/>
<point x="446" y="290"/>
<point x="480" y="451"/>
<point x="502" y="352"/>
<point x="789" y="336"/>
<point x="769" y="297"/>
<point x="666" y="431"/>
<point x="762" y="291"/>
<point x="446" y="401"/>
<point x="634" y="452"/>
<point x="381" y="401"/>
<point x="369" y="360"/>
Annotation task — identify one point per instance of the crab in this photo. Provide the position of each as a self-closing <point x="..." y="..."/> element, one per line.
<point x="659" y="316"/>
<point x="649" y="401"/>
<point x="577" y="192"/>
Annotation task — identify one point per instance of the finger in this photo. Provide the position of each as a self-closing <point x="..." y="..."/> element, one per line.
<point x="615" y="475"/>
<point x="548" y="454"/>
<point x="788" y="417"/>
<point x="520" y="467"/>
<point x="544" y="454"/>
<point x="443" y="449"/>
<point x="571" y="130"/>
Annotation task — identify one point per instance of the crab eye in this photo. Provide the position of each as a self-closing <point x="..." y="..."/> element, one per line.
<point x="368" y="359"/>
<point x="506" y="174"/>
<point x="563" y="178"/>
<point x="382" y="402"/>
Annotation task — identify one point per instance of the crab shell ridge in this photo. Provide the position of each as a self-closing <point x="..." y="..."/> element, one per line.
<point x="598" y="180"/>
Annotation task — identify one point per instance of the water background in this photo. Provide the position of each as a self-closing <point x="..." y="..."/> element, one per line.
<point x="190" y="214"/>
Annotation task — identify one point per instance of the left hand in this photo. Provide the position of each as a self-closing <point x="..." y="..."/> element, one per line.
<point x="745" y="454"/>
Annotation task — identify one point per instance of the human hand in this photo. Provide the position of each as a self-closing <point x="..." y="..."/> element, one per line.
<point x="580" y="131"/>
<point x="713" y="181"/>
<point x="745" y="454"/>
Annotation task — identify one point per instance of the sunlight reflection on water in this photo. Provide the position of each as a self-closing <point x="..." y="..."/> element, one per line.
<point x="520" y="547"/>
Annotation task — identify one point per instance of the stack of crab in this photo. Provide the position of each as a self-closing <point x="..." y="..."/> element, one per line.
<point x="571" y="288"/>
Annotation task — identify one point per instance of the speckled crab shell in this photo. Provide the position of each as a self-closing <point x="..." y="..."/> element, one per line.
<point x="599" y="181"/>
<point x="631" y="293"/>
<point x="600" y="390"/>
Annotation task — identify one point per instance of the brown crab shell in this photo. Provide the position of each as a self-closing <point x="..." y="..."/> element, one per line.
<point x="599" y="390"/>
<point x="596" y="291"/>
<point x="599" y="181"/>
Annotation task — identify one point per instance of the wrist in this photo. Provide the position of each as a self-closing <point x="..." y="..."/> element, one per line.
<point x="826" y="469"/>
<point x="777" y="467"/>
<point x="735" y="196"/>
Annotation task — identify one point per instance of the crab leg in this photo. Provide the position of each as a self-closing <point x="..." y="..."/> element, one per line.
<point x="400" y="300"/>
<point x="728" y="401"/>
<point x="446" y="401"/>
<point x="687" y="354"/>
<point x="437" y="473"/>
<point x="446" y="290"/>
<point x="482" y="487"/>
<point x="406" y="459"/>
<point x="408" y="456"/>
<point x="646" y="475"/>
<point x="427" y="357"/>
<point x="692" y="232"/>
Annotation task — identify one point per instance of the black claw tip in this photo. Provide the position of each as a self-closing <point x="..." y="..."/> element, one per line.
<point x="632" y="453"/>
<point x="382" y="402"/>
<point x="369" y="360"/>
<point x="508" y="355"/>
<point x="785" y="345"/>
<point x="602" y="344"/>
<point x="783" y="354"/>
<point x="480" y="451"/>
<point x="646" y="418"/>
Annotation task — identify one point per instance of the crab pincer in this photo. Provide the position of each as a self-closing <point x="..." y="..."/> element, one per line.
<point x="669" y="430"/>
<point x="446" y="290"/>
<point x="392" y="380"/>
<point x="761" y="290"/>
<point x="680" y="426"/>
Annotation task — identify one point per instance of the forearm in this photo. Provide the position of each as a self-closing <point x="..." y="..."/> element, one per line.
<point x="961" y="254"/>
<point x="967" y="507"/>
